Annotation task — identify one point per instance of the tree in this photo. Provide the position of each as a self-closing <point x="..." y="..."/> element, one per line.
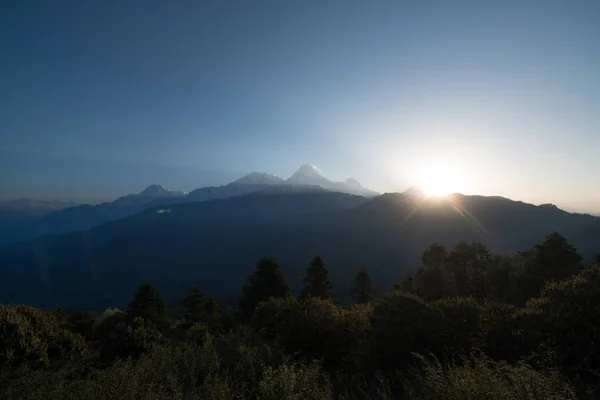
<point x="558" y="258"/>
<point x="198" y="307"/>
<point x="459" y="259"/>
<point x="431" y="279"/>
<point x="266" y="281"/>
<point x="317" y="281"/>
<point x="362" y="288"/>
<point x="149" y="304"/>
<point x="434" y="256"/>
<point x="554" y="259"/>
<point x="478" y="269"/>
<point x="597" y="259"/>
<point x="501" y="279"/>
<point x="407" y="283"/>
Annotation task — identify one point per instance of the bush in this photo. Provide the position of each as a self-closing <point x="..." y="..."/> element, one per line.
<point x="480" y="378"/>
<point x="402" y="324"/>
<point x="165" y="373"/>
<point x="295" y="382"/>
<point x="315" y="328"/>
<point x="565" y="322"/>
<point x="34" y="337"/>
<point x="460" y="328"/>
<point x="499" y="324"/>
<point x="129" y="338"/>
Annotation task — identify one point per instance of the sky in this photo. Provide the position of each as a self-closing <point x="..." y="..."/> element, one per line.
<point x="103" y="98"/>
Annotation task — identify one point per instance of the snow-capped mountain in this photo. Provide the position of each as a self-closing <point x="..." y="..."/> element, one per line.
<point x="151" y="193"/>
<point x="259" y="178"/>
<point x="309" y="175"/>
<point x="160" y="191"/>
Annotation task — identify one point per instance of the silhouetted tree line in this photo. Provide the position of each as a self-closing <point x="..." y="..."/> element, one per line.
<point x="466" y="324"/>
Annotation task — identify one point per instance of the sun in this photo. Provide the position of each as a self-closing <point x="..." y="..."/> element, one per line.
<point x="438" y="180"/>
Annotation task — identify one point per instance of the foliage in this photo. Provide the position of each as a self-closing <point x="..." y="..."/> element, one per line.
<point x="149" y="305"/>
<point x="35" y="337"/>
<point x="480" y="378"/>
<point x="401" y="324"/>
<point x="199" y="308"/>
<point x="130" y="338"/>
<point x="295" y="382"/>
<point x="401" y="345"/>
<point x="565" y="320"/>
<point x="460" y="328"/>
<point x="552" y="260"/>
<point x="266" y="281"/>
<point x="309" y="328"/>
<point x="317" y="282"/>
<point x="362" y="289"/>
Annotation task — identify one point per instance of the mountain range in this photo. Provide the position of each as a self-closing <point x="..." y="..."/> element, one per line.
<point x="72" y="217"/>
<point x="215" y="244"/>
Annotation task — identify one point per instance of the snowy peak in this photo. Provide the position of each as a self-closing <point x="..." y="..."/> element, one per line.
<point x="259" y="178"/>
<point x="160" y="191"/>
<point x="308" y="175"/>
<point x="155" y="191"/>
<point x="307" y="169"/>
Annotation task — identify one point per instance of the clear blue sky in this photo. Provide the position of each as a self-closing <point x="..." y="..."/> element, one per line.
<point x="95" y="95"/>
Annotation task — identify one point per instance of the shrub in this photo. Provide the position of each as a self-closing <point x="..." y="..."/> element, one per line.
<point x="565" y="321"/>
<point x="480" y="378"/>
<point x="34" y="337"/>
<point x="130" y="338"/>
<point x="295" y="382"/>
<point x="460" y="327"/>
<point x="314" y="328"/>
<point x="402" y="324"/>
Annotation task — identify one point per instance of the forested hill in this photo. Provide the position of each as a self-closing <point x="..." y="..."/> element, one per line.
<point x="216" y="243"/>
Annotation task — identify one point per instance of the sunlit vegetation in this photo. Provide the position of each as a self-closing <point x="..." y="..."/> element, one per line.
<point x="466" y="324"/>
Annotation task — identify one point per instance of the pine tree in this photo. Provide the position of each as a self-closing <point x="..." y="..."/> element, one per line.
<point x="198" y="307"/>
<point x="554" y="259"/>
<point x="317" y="281"/>
<point x="266" y="281"/>
<point x="149" y="304"/>
<point x="557" y="257"/>
<point x="362" y="288"/>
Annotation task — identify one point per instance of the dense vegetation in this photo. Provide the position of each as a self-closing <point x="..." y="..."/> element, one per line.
<point x="466" y="324"/>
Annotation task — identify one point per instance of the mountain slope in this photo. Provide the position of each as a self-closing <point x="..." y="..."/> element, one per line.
<point x="215" y="244"/>
<point x="17" y="217"/>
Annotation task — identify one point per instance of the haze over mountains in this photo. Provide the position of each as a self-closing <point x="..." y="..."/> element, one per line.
<point x="212" y="236"/>
<point x="40" y="220"/>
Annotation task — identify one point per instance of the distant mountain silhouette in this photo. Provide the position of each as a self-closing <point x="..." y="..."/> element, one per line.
<point x="83" y="217"/>
<point x="34" y="206"/>
<point x="148" y="195"/>
<point x="215" y="244"/>
<point x="18" y="216"/>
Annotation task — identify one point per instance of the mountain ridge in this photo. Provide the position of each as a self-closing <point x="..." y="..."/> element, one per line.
<point x="216" y="243"/>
